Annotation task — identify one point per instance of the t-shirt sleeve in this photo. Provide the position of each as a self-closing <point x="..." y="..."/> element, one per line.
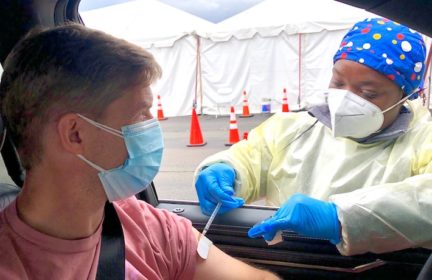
<point x="182" y="243"/>
<point x="157" y="239"/>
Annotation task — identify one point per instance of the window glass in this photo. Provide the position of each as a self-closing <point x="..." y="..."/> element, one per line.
<point x="4" y="177"/>
<point x="177" y="86"/>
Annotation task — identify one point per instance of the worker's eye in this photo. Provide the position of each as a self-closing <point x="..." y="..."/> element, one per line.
<point x="370" y="95"/>
<point x="336" y="84"/>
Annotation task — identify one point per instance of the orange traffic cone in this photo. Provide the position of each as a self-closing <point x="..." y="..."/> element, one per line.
<point x="245" y="135"/>
<point x="196" y="139"/>
<point x="234" y="133"/>
<point x="285" y="107"/>
<point x="246" y="113"/>
<point x="160" y="114"/>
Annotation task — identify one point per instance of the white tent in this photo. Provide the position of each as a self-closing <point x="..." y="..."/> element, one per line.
<point x="274" y="45"/>
<point x="149" y="22"/>
<point x="271" y="17"/>
<point x="168" y="33"/>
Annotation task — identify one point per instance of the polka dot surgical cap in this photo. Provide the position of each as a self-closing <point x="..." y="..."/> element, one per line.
<point x="387" y="47"/>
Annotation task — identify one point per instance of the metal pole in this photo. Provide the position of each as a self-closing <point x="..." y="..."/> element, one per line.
<point x="300" y="68"/>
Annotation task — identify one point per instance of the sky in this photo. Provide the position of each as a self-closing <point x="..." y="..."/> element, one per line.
<point x="211" y="10"/>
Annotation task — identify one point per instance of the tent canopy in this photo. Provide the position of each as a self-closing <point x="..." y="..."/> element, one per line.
<point x="151" y="22"/>
<point x="275" y="44"/>
<point x="145" y="21"/>
<point x="271" y="17"/>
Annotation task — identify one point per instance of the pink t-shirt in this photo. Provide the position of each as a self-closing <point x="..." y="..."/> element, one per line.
<point x="159" y="245"/>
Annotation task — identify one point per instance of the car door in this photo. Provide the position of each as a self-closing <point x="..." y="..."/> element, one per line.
<point x="295" y="258"/>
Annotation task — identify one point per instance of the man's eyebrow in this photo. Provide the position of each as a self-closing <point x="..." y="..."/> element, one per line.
<point x="139" y="107"/>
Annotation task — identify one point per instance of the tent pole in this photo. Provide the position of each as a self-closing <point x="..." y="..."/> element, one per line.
<point x="428" y="90"/>
<point x="200" y="75"/>
<point x="196" y="73"/>
<point x="198" y="79"/>
<point x="300" y="67"/>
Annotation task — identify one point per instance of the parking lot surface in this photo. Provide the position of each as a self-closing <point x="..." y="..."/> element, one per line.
<point x="175" y="179"/>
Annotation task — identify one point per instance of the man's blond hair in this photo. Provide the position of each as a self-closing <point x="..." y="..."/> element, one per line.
<point x="66" y="69"/>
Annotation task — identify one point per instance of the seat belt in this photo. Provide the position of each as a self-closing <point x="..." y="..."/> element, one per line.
<point x="112" y="252"/>
<point x="426" y="272"/>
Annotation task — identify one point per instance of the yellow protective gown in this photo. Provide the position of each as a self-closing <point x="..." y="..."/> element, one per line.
<point x="383" y="190"/>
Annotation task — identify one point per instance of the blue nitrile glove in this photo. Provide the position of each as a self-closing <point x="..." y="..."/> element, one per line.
<point x="304" y="215"/>
<point x="215" y="184"/>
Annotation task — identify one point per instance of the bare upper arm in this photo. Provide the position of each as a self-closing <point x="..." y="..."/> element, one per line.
<point x="222" y="266"/>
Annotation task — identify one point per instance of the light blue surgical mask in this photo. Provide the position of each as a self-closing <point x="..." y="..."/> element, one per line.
<point x="144" y="144"/>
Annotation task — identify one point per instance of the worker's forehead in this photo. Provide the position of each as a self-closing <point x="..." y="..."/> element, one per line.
<point x="358" y="72"/>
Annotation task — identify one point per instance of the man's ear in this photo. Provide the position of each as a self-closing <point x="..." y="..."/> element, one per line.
<point x="70" y="131"/>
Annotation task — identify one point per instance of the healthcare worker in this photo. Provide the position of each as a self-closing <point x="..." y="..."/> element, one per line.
<point x="356" y="169"/>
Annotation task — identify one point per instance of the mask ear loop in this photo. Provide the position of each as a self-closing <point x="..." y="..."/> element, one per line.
<point x="3" y="138"/>
<point x="105" y="128"/>
<point x="4" y="131"/>
<point x="402" y="100"/>
<point x="97" y="167"/>
<point x="102" y="126"/>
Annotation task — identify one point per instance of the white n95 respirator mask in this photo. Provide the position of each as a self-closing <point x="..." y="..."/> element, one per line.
<point x="353" y="116"/>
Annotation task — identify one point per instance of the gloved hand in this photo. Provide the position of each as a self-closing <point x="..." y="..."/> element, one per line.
<point x="304" y="215"/>
<point x="215" y="184"/>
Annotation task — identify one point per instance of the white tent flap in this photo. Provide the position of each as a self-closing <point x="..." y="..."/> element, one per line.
<point x="274" y="45"/>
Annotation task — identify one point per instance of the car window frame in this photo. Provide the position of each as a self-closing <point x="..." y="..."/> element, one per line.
<point x="229" y="231"/>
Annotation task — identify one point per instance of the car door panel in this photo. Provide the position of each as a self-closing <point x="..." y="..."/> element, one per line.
<point x="296" y="257"/>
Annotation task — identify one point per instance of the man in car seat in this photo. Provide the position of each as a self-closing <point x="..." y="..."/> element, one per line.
<point x="356" y="169"/>
<point x="77" y="104"/>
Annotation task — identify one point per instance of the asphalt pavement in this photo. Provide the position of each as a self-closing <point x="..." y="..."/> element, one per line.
<point x="175" y="179"/>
